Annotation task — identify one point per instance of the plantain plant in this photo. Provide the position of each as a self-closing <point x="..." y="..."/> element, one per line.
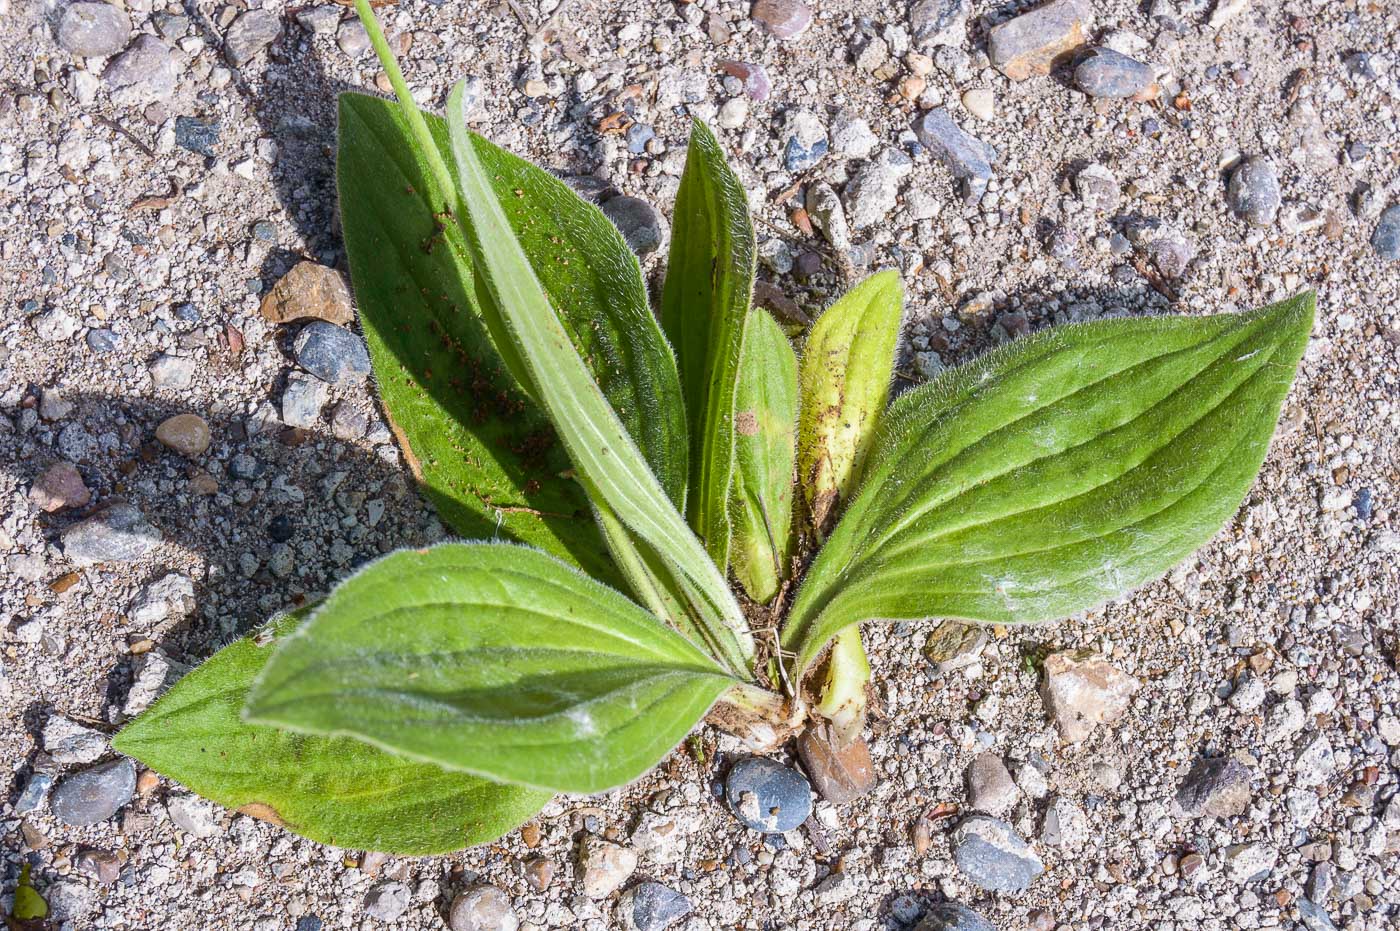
<point x="615" y="468"/>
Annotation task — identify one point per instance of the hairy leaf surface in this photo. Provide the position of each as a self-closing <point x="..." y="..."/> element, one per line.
<point x="519" y="311"/>
<point x="492" y="659"/>
<point x="483" y="450"/>
<point x="704" y="306"/>
<point x="765" y="438"/>
<point x="847" y="365"/>
<point x="331" y="789"/>
<point x="1056" y="473"/>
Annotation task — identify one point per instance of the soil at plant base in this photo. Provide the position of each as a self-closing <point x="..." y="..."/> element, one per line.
<point x="150" y="199"/>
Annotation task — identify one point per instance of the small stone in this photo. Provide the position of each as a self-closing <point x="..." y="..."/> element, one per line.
<point x="143" y="74"/>
<point x="1031" y="780"/>
<point x="102" y="865"/>
<point x="69" y="742"/>
<point x="604" y="867"/>
<point x="387" y="902"/>
<point x="829" y="217"/>
<point x="1097" y="187"/>
<point x="101" y="341"/>
<point x="783" y="19"/>
<point x="981" y="103"/>
<point x="1065" y="824"/>
<point x="734" y="114"/>
<point x="94" y="794"/>
<point x="1386" y="239"/>
<point x="1111" y="75"/>
<point x="320" y="20"/>
<point x="120" y="533"/>
<point x="1245" y="863"/>
<point x="1217" y="788"/>
<point x="953" y="645"/>
<point x="969" y="158"/>
<point x="172" y="595"/>
<point x="151" y="673"/>
<point x="851" y="137"/>
<point x="1314" y="917"/>
<point x="539" y="873"/>
<point x="193" y="815"/>
<point x="331" y="353"/>
<point x="54" y="406"/>
<point x="642" y="225"/>
<point x="1171" y="253"/>
<point x="807" y="141"/>
<point x="1315" y="762"/>
<point x="990" y="788"/>
<point x="1254" y="192"/>
<point x="56" y="325"/>
<point x="173" y="373"/>
<point x="93" y="30"/>
<point x="187" y="434"/>
<point x="353" y="38"/>
<point x="753" y="78"/>
<point x="309" y="292"/>
<point x="1030" y="44"/>
<point x="302" y="400"/>
<point x="661" y="838"/>
<point x="196" y="135"/>
<point x="993" y="856"/>
<point x="767" y="796"/>
<point x="35" y="791"/>
<point x="939" y="22"/>
<point x="651" y="906"/>
<point x="250" y="33"/>
<point x="1082" y="690"/>
<point x="840" y="772"/>
<point x="482" y="908"/>
<point x="950" y="916"/>
<point x="60" y="486"/>
<point x="873" y="192"/>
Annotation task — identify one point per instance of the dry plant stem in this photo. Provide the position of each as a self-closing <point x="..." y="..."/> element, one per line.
<point x="763" y="720"/>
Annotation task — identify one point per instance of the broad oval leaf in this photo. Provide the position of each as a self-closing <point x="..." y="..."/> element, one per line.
<point x="492" y="659"/>
<point x="704" y="306"/>
<point x="847" y="365"/>
<point x="765" y="437"/>
<point x="482" y="449"/>
<point x="1056" y="473"/>
<point x="331" y="789"/>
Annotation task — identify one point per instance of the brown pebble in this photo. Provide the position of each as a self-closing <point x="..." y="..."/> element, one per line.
<point x="922" y="835"/>
<point x="309" y="292"/>
<point x="539" y="873"/>
<point x="840" y="773"/>
<point x="530" y="834"/>
<point x="61" y="486"/>
<point x="187" y="434"/>
<point x="146" y="782"/>
<point x="64" y="582"/>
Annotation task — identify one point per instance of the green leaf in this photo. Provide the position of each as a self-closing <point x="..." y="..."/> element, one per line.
<point x="704" y="306"/>
<point x="492" y="659"/>
<point x="520" y="311"/>
<point x="1056" y="473"/>
<point x="29" y="905"/>
<point x="331" y="789"/>
<point x="484" y="452"/>
<point x="847" y="365"/>
<point x="765" y="427"/>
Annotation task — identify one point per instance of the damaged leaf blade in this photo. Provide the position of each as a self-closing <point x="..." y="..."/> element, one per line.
<point x="334" y="790"/>
<point x="847" y="365"/>
<point x="492" y="659"/>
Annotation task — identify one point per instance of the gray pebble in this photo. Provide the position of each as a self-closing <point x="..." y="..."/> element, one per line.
<point x="93" y="30"/>
<point x="1314" y="917"/>
<point x="1254" y="191"/>
<point x="1097" y="187"/>
<point x="939" y="22"/>
<point x="641" y="224"/>
<point x="651" y="907"/>
<point x="101" y="341"/>
<point x="993" y="856"/>
<point x="1218" y="788"/>
<point x="482" y="908"/>
<point x="172" y="372"/>
<point x="120" y="533"/>
<point x="196" y="135"/>
<point x="387" y="902"/>
<point x="1171" y="254"/>
<point x="320" y="20"/>
<point x="250" y="33"/>
<point x="1108" y="74"/>
<point x="94" y="794"/>
<point x="807" y="141"/>
<point x="969" y="158"/>
<point x="302" y="400"/>
<point x="331" y="353"/>
<point x="767" y="796"/>
<point x="872" y="194"/>
<point x="35" y="791"/>
<point x="1386" y="239"/>
<point x="144" y="73"/>
<point x="950" y="916"/>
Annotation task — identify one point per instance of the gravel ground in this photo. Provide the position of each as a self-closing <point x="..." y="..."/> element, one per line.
<point x="152" y="191"/>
